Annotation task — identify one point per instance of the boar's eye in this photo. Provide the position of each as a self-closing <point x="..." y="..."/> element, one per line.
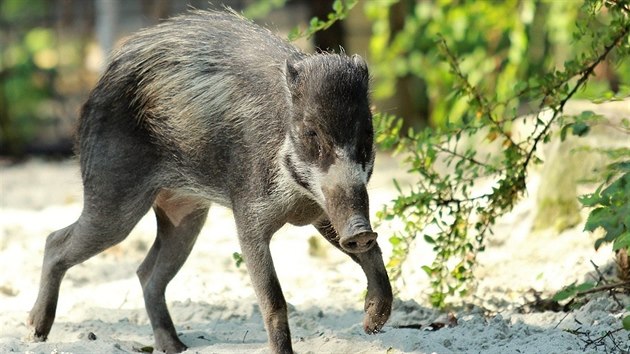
<point x="310" y="133"/>
<point x="364" y="159"/>
<point x="364" y="155"/>
<point x="313" y="143"/>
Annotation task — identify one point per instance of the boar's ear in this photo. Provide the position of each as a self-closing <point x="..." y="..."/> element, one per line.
<point x="362" y="65"/>
<point x="292" y="74"/>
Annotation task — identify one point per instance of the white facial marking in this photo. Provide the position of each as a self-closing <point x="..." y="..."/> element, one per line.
<point x="309" y="173"/>
<point x="345" y="172"/>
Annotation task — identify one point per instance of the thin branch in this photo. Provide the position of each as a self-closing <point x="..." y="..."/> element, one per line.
<point x="463" y="157"/>
<point x="476" y="95"/>
<point x="602" y="278"/>
<point x="607" y="287"/>
<point x="562" y="319"/>
<point x="458" y="201"/>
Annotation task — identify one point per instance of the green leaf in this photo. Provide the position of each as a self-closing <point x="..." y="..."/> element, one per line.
<point x="572" y="290"/>
<point x="238" y="259"/>
<point x="598" y="243"/>
<point x="605" y="218"/>
<point x="294" y="34"/>
<point x="590" y="200"/>
<point x="428" y="239"/>
<point x="338" y="6"/>
<point x="621" y="186"/>
<point x="587" y="115"/>
<point x="428" y="270"/>
<point x="622" y="241"/>
<point x="565" y="293"/>
<point x="626" y="322"/>
<point x="585" y="286"/>
<point x="520" y="86"/>
<point x="580" y="129"/>
<point x="397" y="186"/>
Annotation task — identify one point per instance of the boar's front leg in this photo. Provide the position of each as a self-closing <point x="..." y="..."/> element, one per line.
<point x="378" y="301"/>
<point x="254" y="236"/>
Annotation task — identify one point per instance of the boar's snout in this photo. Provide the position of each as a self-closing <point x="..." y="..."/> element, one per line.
<point x="359" y="243"/>
<point x="358" y="236"/>
<point x="348" y="211"/>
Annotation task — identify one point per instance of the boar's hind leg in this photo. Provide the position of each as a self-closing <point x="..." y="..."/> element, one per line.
<point x="378" y="301"/>
<point x="103" y="223"/>
<point x="254" y="237"/>
<point x="179" y="222"/>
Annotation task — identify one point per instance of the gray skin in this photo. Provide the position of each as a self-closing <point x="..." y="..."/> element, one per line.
<point x="208" y="107"/>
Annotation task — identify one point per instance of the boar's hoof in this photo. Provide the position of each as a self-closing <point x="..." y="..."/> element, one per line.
<point x="34" y="336"/>
<point x="377" y="312"/>
<point x="36" y="332"/>
<point x="358" y="243"/>
<point x="169" y="346"/>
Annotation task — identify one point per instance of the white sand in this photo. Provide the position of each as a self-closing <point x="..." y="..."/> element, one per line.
<point x="215" y="310"/>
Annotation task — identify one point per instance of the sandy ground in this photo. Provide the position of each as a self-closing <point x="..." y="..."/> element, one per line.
<point x="215" y="310"/>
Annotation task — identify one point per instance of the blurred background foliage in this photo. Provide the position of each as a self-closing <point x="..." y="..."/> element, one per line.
<point x="501" y="43"/>
<point x="52" y="53"/>
<point x="43" y="76"/>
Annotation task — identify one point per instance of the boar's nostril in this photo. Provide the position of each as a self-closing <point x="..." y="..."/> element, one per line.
<point x="358" y="243"/>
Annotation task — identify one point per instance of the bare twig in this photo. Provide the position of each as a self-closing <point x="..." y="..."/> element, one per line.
<point x="562" y="319"/>
<point x="599" y="341"/>
<point x="602" y="278"/>
<point x="607" y="287"/>
<point x="463" y="157"/>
